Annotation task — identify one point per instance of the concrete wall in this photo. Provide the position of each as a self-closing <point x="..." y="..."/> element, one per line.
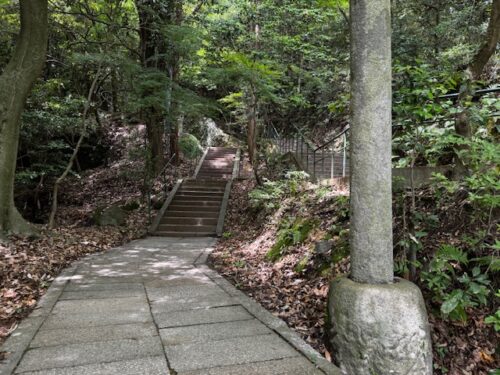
<point x="421" y="175"/>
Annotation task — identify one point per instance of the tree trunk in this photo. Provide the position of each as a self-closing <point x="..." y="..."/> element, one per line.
<point x="489" y="46"/>
<point x="152" y="46"/>
<point x="473" y="73"/>
<point x="75" y="151"/>
<point x="176" y="16"/>
<point x="252" y="128"/>
<point x="15" y="85"/>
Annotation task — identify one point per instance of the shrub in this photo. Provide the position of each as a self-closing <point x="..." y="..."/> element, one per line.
<point x="292" y="232"/>
<point x="190" y="146"/>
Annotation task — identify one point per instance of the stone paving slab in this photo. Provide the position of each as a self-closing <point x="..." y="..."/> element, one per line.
<point x="141" y="366"/>
<point x="287" y="366"/>
<point x="184" y="291"/>
<point x="89" y="286"/>
<point x="101" y="305"/>
<point x="201" y="316"/>
<point x="57" y="337"/>
<point x="60" y="321"/>
<point x="208" y="301"/>
<point x="80" y="278"/>
<point x="233" y="351"/>
<point x="96" y="294"/>
<point x="212" y="332"/>
<point x="89" y="353"/>
<point x="151" y="307"/>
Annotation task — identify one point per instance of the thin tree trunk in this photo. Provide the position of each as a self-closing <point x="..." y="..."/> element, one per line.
<point x="72" y="159"/>
<point x="252" y="113"/>
<point x="252" y="127"/>
<point x="475" y="70"/>
<point x="16" y="82"/>
<point x="152" y="47"/>
<point x="176" y="17"/>
<point x="489" y="46"/>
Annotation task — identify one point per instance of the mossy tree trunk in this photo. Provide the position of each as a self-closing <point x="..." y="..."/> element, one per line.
<point x="16" y="82"/>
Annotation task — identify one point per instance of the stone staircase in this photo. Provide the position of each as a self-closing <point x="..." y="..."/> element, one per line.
<point x="196" y="207"/>
<point x="217" y="164"/>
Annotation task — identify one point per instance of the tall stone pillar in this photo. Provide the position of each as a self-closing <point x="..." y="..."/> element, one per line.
<point x="378" y="323"/>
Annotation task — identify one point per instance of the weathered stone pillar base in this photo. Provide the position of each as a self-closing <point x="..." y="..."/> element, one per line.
<point x="379" y="329"/>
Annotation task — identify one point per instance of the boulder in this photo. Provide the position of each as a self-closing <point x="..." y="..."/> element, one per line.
<point x="113" y="216"/>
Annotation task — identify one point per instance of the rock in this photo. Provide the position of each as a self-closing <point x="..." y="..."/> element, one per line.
<point x="323" y="247"/>
<point x="114" y="216"/>
<point x="379" y="329"/>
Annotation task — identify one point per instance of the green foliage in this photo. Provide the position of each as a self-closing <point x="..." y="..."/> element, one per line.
<point x="292" y="232"/>
<point x="190" y="146"/>
<point x="269" y="195"/>
<point x="49" y="123"/>
<point x="454" y="288"/>
<point x="239" y="264"/>
<point x="495" y="318"/>
<point x="482" y="183"/>
<point x="302" y="264"/>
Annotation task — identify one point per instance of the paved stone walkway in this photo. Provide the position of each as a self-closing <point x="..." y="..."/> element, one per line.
<point x="152" y="307"/>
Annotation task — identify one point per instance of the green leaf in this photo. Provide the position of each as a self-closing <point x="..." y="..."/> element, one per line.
<point x="452" y="301"/>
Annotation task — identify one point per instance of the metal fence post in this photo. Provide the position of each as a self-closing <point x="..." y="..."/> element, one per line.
<point x="344" y="157"/>
<point x="323" y="162"/>
<point x="332" y="169"/>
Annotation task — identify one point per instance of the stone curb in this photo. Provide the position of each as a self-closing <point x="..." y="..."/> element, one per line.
<point x="267" y="318"/>
<point x="200" y="162"/>
<point x="156" y="222"/>
<point x="223" y="209"/>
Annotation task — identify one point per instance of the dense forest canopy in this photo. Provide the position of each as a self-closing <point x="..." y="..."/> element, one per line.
<point x="172" y="62"/>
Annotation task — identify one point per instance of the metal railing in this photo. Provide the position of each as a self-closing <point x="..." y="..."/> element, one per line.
<point x="328" y="161"/>
<point x="331" y="159"/>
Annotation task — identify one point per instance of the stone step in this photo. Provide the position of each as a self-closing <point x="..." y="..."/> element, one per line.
<point x="220" y="153"/>
<point x="192" y="208"/>
<point x="199" y="197"/>
<point x="202" y="190"/>
<point x="206" y="192"/>
<point x="195" y="221"/>
<point x="218" y="177"/>
<point x="190" y="214"/>
<point x="205" y="188"/>
<point x="183" y="201"/>
<point x="183" y="234"/>
<point x="212" y="173"/>
<point x="214" y="169"/>
<point x="186" y="228"/>
<point x="201" y="182"/>
<point x="218" y="170"/>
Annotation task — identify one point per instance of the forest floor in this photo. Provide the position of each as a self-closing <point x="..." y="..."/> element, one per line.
<point x="295" y="287"/>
